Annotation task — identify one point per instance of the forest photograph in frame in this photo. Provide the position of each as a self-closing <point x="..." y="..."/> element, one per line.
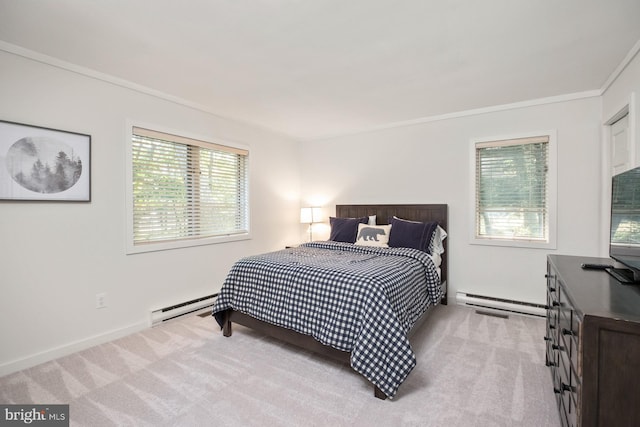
<point x="38" y="163"/>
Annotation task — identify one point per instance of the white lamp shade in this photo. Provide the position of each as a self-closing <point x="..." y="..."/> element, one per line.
<point x="306" y="215"/>
<point x="310" y="215"/>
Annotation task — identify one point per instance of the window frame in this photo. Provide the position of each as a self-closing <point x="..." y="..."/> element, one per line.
<point x="207" y="142"/>
<point x="550" y="243"/>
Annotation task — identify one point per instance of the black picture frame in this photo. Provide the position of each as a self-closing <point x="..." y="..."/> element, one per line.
<point x="44" y="164"/>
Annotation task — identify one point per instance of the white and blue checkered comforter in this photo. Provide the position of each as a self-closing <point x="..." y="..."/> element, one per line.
<point x="363" y="300"/>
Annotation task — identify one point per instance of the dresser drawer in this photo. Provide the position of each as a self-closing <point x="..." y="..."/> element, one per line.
<point x="557" y="385"/>
<point x="552" y="355"/>
<point x="572" y="415"/>
<point x="575" y="344"/>
<point x="567" y="390"/>
<point x="572" y="339"/>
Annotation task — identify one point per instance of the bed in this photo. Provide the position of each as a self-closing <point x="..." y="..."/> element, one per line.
<point x="355" y="303"/>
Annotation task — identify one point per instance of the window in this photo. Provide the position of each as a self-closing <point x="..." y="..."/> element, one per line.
<point x="185" y="192"/>
<point x="514" y="192"/>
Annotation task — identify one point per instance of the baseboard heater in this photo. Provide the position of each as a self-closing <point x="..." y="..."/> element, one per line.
<point x="500" y="304"/>
<point x="168" y="313"/>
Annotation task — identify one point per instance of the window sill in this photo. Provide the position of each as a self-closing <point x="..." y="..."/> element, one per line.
<point x="530" y="244"/>
<point x="187" y="243"/>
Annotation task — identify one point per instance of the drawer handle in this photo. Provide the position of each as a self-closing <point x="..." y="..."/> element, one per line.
<point x="564" y="387"/>
<point x="566" y="331"/>
<point x="549" y="276"/>
<point x="548" y="339"/>
<point x="552" y="326"/>
<point x="567" y="387"/>
<point x="551" y="289"/>
<point x="557" y="347"/>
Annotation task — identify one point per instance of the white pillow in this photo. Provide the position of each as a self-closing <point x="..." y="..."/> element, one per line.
<point x="436" y="246"/>
<point x="372" y="219"/>
<point x="373" y="235"/>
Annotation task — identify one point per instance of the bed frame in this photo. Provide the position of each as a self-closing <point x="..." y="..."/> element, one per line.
<point x="423" y="213"/>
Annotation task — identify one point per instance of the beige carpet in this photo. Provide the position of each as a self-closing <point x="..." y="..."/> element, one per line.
<point x="473" y="370"/>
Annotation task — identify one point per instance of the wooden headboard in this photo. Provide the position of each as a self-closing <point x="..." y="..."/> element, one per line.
<point x="423" y="213"/>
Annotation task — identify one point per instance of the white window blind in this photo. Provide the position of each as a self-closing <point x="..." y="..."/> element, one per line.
<point x="186" y="189"/>
<point x="512" y="189"/>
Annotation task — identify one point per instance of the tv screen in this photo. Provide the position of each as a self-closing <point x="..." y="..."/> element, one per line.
<point x="624" y="244"/>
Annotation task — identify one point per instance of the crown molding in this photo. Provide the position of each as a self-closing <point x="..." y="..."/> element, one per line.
<point x="466" y="113"/>
<point x="108" y="78"/>
<point x="620" y="68"/>
<point x="55" y="62"/>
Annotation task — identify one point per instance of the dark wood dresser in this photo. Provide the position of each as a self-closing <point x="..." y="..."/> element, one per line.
<point x="593" y="344"/>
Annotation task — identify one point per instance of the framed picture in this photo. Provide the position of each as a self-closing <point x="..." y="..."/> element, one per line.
<point x="38" y="163"/>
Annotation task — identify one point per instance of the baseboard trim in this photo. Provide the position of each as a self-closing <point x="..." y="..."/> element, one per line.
<point x="66" y="349"/>
<point x="484" y="302"/>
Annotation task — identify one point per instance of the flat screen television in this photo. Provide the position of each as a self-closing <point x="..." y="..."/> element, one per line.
<point x="624" y="244"/>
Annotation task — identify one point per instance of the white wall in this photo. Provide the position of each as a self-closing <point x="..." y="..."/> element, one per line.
<point x="624" y="89"/>
<point x="430" y="163"/>
<point x="55" y="257"/>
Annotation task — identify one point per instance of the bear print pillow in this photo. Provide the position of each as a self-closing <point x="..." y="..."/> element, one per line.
<point x="373" y="235"/>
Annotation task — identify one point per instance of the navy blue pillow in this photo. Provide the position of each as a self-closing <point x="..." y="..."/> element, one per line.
<point x="411" y="234"/>
<point x="345" y="229"/>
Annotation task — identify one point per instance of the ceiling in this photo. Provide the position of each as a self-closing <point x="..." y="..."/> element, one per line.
<point x="317" y="68"/>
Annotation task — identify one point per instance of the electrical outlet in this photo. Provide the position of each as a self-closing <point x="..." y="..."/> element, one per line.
<point x="101" y="300"/>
